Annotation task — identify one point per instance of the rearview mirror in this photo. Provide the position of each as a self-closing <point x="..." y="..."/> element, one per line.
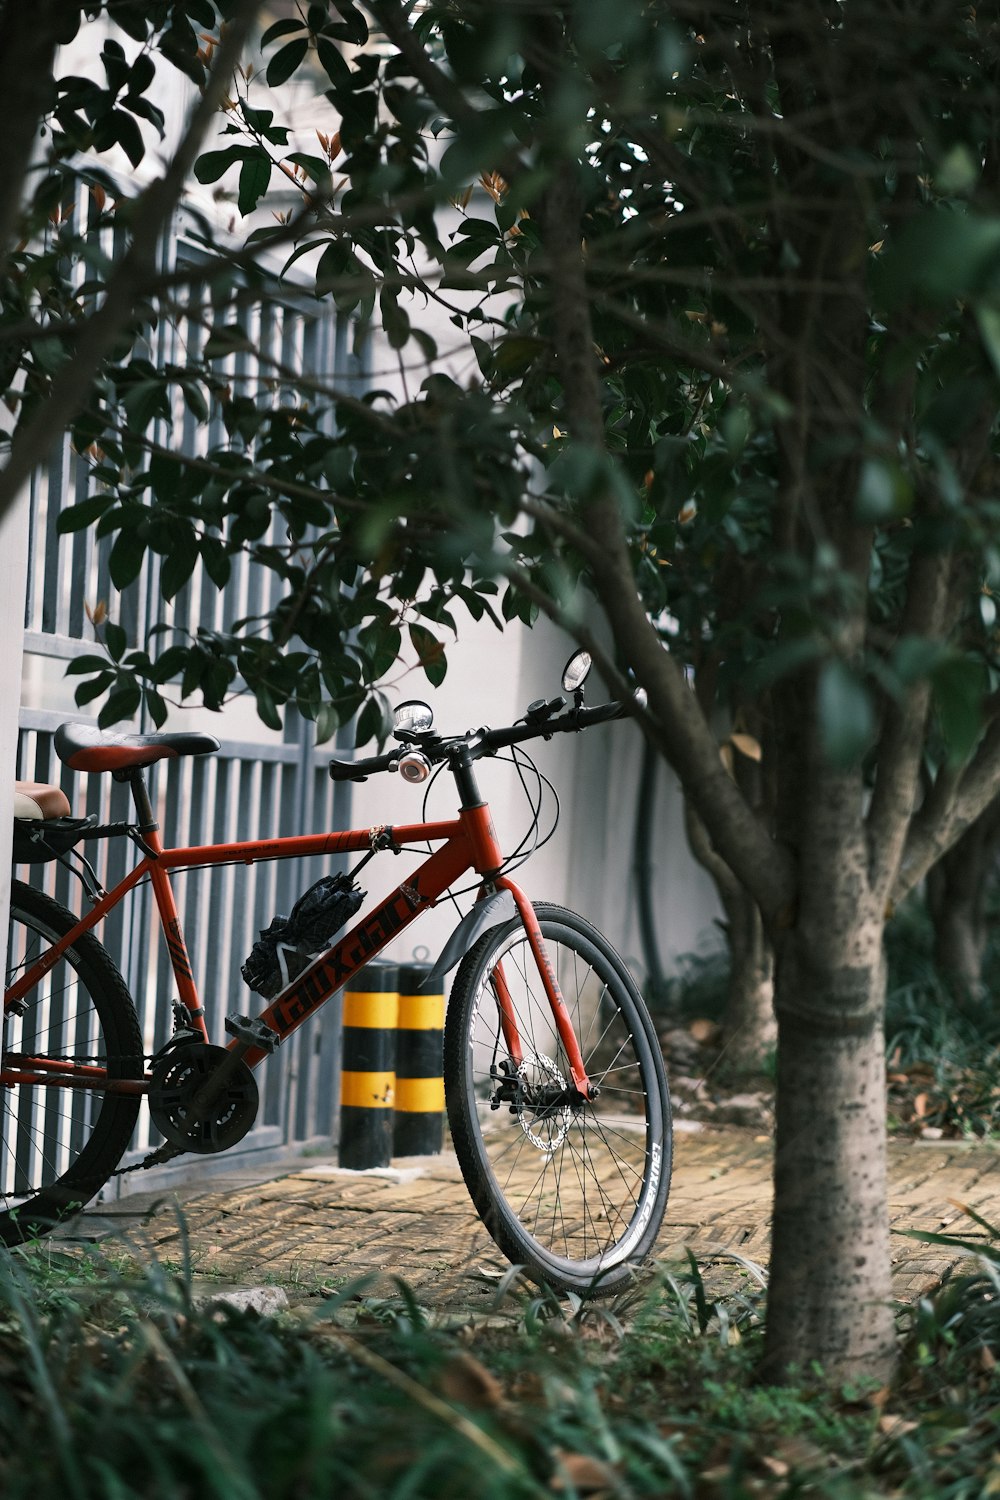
<point x="575" y="672"/>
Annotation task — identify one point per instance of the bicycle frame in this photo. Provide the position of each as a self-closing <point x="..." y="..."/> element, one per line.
<point x="468" y="843"/>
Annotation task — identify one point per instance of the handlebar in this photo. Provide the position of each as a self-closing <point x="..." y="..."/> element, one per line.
<point x="567" y="723"/>
<point x="479" y="743"/>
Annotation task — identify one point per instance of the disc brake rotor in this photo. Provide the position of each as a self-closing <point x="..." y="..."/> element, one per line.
<point x="213" y="1125"/>
<point x="545" y="1125"/>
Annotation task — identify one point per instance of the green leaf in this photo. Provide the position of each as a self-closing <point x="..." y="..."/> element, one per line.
<point x="484" y="356"/>
<point x="959" y="687"/>
<point x="194" y="400"/>
<point x="915" y="656"/>
<point x="129" y="137"/>
<point x="395" y="322"/>
<point x="279" y="29"/>
<point x="318" y="168"/>
<point x="169" y="663"/>
<point x="988" y="318"/>
<point x="156" y="706"/>
<point x="214" y="164"/>
<point x="371" y="723"/>
<point x="945" y="254"/>
<point x="123" y="703"/>
<point x="81" y="665"/>
<point x="266" y="707"/>
<point x="284" y="62"/>
<point x="144" y="400"/>
<point x="216" y="561"/>
<point x="333" y="63"/>
<point x="83" y="513"/>
<point x="884" y="493"/>
<point x="227" y="338"/>
<point x="846" y="715"/>
<point x="126" y="559"/>
<point x="176" y="570"/>
<point x="430" y="653"/>
<point x="116" y="640"/>
<point x="260" y="120"/>
<point x="327" y="722"/>
<point x="255" y="176"/>
<point x="514" y="356"/>
<point x="88" y="691"/>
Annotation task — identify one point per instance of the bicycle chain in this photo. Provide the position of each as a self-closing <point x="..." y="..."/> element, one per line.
<point x="163" y="1153"/>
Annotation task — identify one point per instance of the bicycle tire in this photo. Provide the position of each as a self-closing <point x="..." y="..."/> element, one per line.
<point x="58" y="1147"/>
<point x="574" y="1194"/>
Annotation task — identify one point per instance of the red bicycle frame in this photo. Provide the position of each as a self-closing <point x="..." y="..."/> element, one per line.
<point x="468" y="843"/>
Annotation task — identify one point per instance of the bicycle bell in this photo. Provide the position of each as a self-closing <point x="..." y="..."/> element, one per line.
<point x="413" y="766"/>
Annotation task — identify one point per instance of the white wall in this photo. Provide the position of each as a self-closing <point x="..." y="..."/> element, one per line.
<point x="588" y="865"/>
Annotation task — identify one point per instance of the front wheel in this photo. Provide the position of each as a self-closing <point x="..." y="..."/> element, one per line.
<point x="573" y="1190"/>
<point x="59" y="1145"/>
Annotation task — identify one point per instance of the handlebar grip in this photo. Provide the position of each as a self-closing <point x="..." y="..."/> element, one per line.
<point x="575" y="719"/>
<point x="601" y="714"/>
<point x="360" y="770"/>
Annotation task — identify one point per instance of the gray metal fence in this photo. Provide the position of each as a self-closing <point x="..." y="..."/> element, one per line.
<point x="259" y="785"/>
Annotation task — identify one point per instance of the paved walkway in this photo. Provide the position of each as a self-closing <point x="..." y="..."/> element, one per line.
<point x="315" y="1226"/>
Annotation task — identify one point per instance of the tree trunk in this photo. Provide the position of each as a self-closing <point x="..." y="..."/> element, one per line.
<point x="957" y="889"/>
<point x="960" y="946"/>
<point x="830" y="1291"/>
<point x="750" y="1028"/>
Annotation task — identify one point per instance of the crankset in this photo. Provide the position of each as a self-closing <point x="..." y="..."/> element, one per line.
<point x="202" y="1098"/>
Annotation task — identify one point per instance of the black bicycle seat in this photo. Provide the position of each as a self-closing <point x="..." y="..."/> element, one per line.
<point x="84" y="747"/>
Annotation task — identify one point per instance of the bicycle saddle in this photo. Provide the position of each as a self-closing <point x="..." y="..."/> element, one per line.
<point x="87" y="748"/>
<point x="40" y="799"/>
<point x="43" y="828"/>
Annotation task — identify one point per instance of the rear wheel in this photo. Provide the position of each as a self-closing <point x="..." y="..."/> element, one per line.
<point x="573" y="1190"/>
<point x="58" y="1146"/>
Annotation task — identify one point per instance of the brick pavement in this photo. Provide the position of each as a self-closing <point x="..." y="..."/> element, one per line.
<point x="314" y="1226"/>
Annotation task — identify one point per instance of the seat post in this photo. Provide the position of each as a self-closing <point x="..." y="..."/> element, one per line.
<point x="140" y="796"/>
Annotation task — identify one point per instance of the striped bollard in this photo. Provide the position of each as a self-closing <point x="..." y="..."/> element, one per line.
<point x="419" y="1124"/>
<point x="368" y="1079"/>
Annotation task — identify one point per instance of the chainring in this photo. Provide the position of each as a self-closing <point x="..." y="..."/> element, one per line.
<point x="176" y="1079"/>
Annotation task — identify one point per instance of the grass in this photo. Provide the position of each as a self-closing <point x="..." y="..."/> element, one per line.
<point x="115" y="1385"/>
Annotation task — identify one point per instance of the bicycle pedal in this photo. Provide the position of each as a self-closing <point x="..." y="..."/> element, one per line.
<point x="253" y="1032"/>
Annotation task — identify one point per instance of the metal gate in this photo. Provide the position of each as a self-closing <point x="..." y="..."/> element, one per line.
<point x="259" y="785"/>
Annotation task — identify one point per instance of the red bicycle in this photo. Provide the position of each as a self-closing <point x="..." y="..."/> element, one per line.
<point x="555" y="1089"/>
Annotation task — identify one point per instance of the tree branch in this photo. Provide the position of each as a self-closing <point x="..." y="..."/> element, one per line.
<point x="900" y="751"/>
<point x="677" y="726"/>
<point x="955" y="801"/>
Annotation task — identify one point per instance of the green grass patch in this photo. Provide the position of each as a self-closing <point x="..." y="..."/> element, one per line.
<point x="116" y="1385"/>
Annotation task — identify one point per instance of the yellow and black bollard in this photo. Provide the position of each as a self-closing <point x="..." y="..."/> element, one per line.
<point x="368" y="1079"/>
<point x="419" y="1124"/>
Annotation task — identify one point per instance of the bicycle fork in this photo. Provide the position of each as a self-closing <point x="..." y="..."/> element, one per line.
<point x="582" y="1087"/>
